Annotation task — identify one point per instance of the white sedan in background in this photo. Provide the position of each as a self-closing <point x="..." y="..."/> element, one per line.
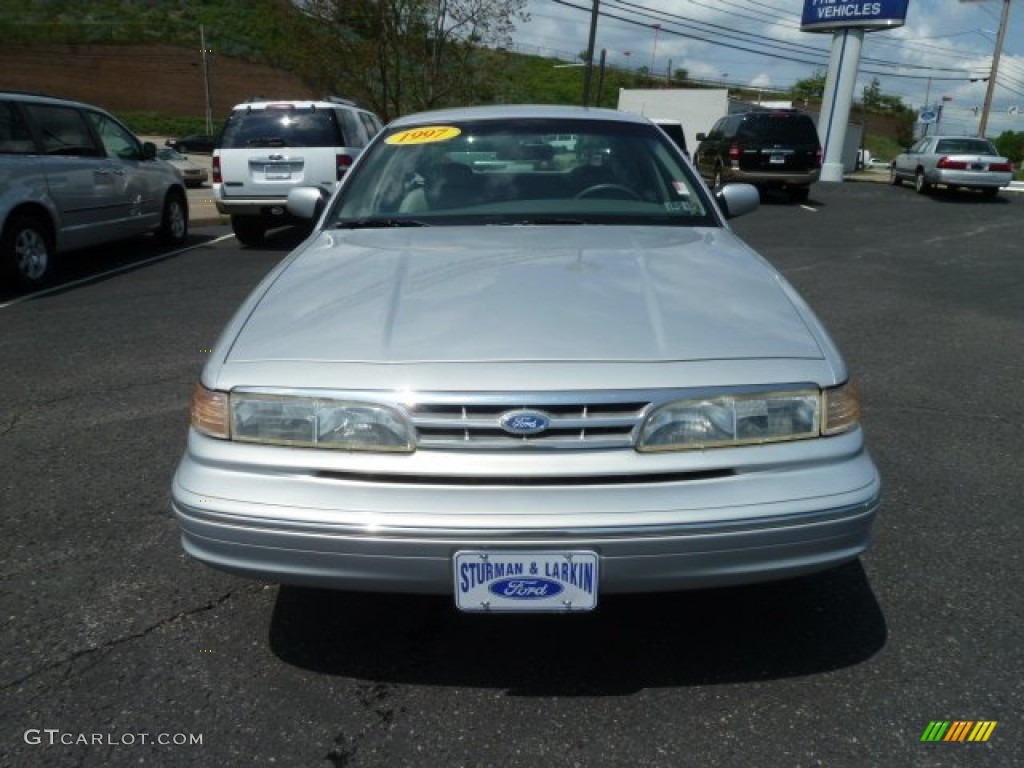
<point x="957" y="162"/>
<point x="194" y="174"/>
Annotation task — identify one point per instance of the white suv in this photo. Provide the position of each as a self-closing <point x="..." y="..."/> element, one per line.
<point x="269" y="147"/>
<point x="72" y="176"/>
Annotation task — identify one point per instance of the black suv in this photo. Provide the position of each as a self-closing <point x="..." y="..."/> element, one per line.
<point x="768" y="148"/>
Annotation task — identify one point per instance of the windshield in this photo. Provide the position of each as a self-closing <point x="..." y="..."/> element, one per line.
<point x="522" y="171"/>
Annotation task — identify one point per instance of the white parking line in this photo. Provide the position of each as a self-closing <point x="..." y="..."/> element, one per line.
<point x="124" y="268"/>
<point x="809" y="208"/>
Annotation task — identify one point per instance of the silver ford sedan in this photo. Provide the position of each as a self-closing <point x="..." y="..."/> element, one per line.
<point x="967" y="162"/>
<point x="524" y="374"/>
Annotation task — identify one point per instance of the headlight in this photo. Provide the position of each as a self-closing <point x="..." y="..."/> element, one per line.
<point x="309" y="422"/>
<point x="316" y="422"/>
<point x="727" y="420"/>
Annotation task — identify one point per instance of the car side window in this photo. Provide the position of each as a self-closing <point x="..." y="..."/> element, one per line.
<point x="731" y="126"/>
<point x="63" y="130"/>
<point x="15" y="136"/>
<point x="370" y="124"/>
<point x="117" y="141"/>
<point x="352" y="129"/>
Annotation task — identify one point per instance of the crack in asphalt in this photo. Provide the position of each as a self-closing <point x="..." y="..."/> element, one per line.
<point x="87" y="395"/>
<point x="103" y="650"/>
<point x="10" y="427"/>
<point x="375" y="697"/>
<point x="372" y="697"/>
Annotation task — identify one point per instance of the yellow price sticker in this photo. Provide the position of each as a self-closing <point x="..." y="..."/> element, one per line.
<point x="425" y="135"/>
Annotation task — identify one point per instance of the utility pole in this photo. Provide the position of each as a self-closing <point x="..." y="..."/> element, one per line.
<point x="590" y="55"/>
<point x="600" y="79"/>
<point x="990" y="91"/>
<point x="206" y="80"/>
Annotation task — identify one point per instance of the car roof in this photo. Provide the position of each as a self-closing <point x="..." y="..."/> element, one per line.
<point x="519" y="112"/>
<point x="302" y="102"/>
<point x="766" y="111"/>
<point x="42" y="98"/>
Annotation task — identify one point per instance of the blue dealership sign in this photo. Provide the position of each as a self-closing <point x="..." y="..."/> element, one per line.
<point x="826" y="15"/>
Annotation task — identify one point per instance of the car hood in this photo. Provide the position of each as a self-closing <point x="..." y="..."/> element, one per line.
<point x="524" y="294"/>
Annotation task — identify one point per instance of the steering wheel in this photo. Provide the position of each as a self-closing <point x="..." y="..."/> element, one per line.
<point x="596" y="188"/>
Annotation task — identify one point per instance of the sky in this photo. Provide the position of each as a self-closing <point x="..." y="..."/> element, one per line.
<point x="929" y="60"/>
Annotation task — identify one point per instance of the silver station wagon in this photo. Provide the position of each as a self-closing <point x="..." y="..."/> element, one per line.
<point x="524" y="374"/>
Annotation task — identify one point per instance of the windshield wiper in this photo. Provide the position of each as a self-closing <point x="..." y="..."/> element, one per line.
<point x="370" y="222"/>
<point x="538" y="221"/>
<point x="266" y="141"/>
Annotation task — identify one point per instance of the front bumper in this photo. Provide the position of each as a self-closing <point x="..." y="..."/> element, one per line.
<point x="364" y="531"/>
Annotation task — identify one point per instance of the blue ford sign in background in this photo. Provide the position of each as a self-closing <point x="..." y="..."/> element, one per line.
<point x="825" y="15"/>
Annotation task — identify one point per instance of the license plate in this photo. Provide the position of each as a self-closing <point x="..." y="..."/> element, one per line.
<point x="507" y="581"/>
<point x="977" y="166"/>
<point x="273" y="172"/>
<point x="777" y="159"/>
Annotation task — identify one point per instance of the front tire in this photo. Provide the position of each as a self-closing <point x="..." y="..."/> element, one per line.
<point x="921" y="185"/>
<point x="174" y="222"/>
<point x="27" y="251"/>
<point x="250" y="230"/>
<point x="895" y="180"/>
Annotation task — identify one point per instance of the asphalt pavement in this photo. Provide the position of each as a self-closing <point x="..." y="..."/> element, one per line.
<point x="118" y="650"/>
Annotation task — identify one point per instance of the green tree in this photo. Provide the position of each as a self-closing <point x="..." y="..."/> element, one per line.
<point x="872" y="94"/>
<point x="1011" y="145"/>
<point x="809" y="89"/>
<point x="398" y="56"/>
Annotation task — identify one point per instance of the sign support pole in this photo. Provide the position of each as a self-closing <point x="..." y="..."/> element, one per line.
<point x="835" y="109"/>
<point x="847" y="20"/>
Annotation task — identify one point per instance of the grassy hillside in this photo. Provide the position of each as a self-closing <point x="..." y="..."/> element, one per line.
<point x="258" y="30"/>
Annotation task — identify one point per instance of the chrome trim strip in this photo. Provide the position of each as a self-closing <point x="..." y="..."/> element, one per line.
<point x="519" y="535"/>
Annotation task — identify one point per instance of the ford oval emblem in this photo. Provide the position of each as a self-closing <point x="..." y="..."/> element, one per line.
<point x="523" y="422"/>
<point x="518" y="588"/>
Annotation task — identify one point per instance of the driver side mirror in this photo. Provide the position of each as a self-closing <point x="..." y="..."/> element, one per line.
<point x="738" y="199"/>
<point x="148" y="150"/>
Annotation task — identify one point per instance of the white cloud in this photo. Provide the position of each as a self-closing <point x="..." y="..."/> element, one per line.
<point x="939" y="36"/>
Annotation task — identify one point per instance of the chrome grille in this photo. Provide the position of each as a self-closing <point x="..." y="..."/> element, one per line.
<point x="573" y="423"/>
